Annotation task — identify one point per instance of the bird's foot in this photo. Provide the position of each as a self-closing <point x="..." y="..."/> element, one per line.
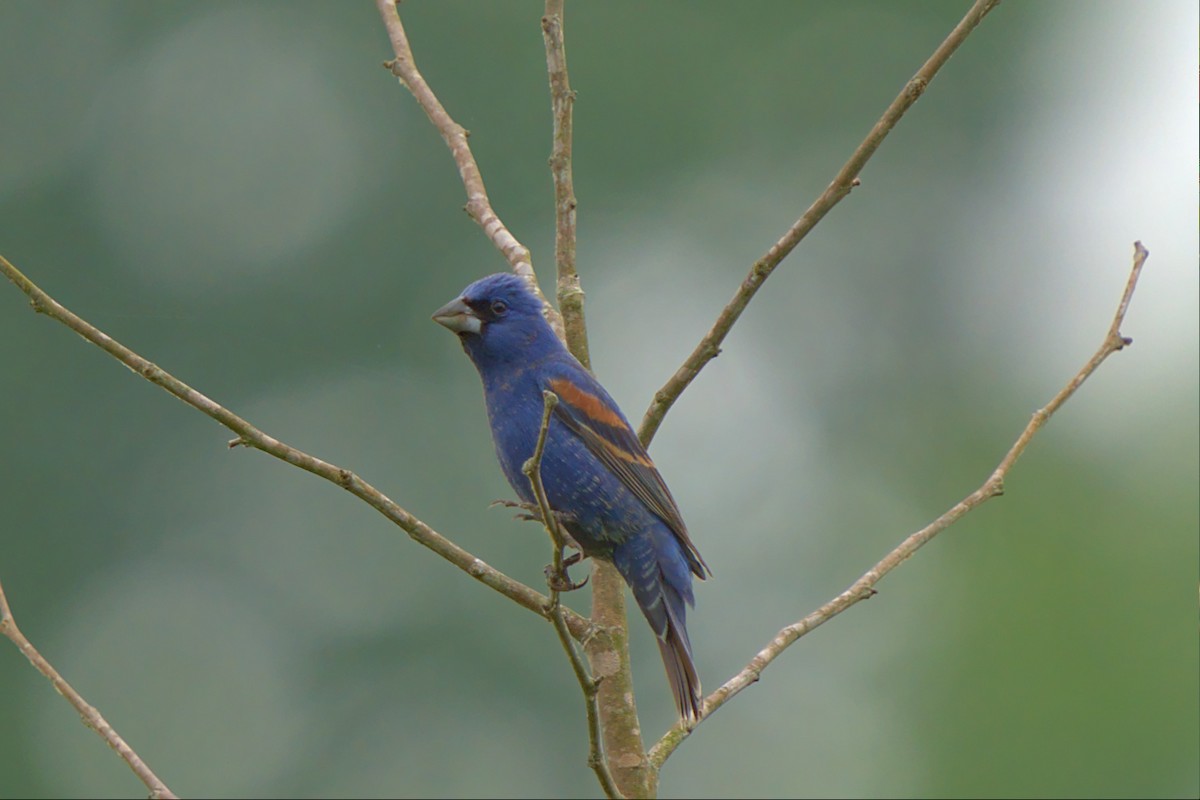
<point x="559" y="580"/>
<point x="531" y="511"/>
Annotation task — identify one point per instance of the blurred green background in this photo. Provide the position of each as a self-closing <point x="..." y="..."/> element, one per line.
<point x="242" y="194"/>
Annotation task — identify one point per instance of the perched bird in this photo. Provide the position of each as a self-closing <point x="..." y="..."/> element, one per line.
<point x="599" y="481"/>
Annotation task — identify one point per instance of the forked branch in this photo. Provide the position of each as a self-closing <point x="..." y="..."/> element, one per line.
<point x="863" y="588"/>
<point x="251" y="436"/>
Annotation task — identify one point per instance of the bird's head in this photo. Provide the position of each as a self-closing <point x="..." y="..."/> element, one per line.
<point x="498" y="319"/>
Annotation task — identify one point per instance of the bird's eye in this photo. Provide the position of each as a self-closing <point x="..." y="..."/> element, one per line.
<point x="499" y="307"/>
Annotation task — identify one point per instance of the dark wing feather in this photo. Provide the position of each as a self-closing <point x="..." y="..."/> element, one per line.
<point x="592" y="416"/>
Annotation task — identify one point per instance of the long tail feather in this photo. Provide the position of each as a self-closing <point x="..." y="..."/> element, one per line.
<point x="681" y="672"/>
<point x="664" y="606"/>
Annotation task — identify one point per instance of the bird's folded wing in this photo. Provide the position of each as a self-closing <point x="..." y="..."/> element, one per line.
<point x="587" y="411"/>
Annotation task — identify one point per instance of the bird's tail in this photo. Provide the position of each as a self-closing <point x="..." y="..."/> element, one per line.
<point x="658" y="574"/>
<point x="681" y="671"/>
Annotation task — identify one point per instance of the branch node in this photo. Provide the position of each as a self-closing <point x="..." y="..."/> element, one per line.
<point x="916" y="87"/>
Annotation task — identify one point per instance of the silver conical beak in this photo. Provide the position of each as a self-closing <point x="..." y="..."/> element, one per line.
<point x="458" y="317"/>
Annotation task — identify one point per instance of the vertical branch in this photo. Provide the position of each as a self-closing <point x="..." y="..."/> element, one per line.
<point x="608" y="648"/>
<point x="562" y="101"/>
<point x="90" y="716"/>
<point x="608" y="652"/>
<point x="557" y="580"/>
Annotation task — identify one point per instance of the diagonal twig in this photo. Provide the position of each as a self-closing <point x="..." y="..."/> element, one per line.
<point x="404" y="67"/>
<point x="251" y="436"/>
<point x="846" y="179"/>
<point x="88" y="713"/>
<point x="532" y="469"/>
<point x="863" y="588"/>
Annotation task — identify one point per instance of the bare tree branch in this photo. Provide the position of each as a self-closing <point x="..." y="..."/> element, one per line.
<point x="562" y="99"/>
<point x="605" y="637"/>
<point x="846" y="179"/>
<point x="251" y="436"/>
<point x="90" y="716"/>
<point x="863" y="588"/>
<point x="608" y="649"/>
<point x="404" y="67"/>
<point x="532" y="469"/>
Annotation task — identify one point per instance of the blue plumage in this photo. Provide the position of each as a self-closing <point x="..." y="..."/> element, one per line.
<point x="597" y="475"/>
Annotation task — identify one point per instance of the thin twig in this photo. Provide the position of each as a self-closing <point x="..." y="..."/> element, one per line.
<point x="532" y="468"/>
<point x="90" y="716"/>
<point x="863" y="588"/>
<point x="404" y="67"/>
<point x="533" y="472"/>
<point x="846" y="179"/>
<point x="562" y="101"/>
<point x="251" y="436"/>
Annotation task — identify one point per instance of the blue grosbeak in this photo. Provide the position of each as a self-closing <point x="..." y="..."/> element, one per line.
<point x="599" y="481"/>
